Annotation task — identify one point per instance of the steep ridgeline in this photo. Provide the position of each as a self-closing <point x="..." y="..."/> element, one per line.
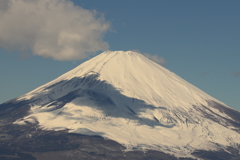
<point x="127" y="98"/>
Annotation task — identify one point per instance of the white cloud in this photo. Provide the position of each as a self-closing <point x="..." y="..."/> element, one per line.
<point x="51" y="28"/>
<point x="156" y="59"/>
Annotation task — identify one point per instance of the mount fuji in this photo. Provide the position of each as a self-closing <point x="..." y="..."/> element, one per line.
<point x="119" y="105"/>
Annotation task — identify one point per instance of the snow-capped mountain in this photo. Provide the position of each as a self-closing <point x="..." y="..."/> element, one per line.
<point x="127" y="98"/>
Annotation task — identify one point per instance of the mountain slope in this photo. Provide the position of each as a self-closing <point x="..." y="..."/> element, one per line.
<point x="125" y="97"/>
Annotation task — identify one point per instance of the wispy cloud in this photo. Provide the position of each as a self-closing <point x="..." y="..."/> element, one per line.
<point x="51" y="28"/>
<point x="156" y="59"/>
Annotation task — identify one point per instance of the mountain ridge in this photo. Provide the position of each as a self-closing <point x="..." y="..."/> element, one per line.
<point x="97" y="68"/>
<point x="125" y="97"/>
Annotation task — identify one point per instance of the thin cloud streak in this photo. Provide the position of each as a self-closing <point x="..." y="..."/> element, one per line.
<point x="51" y="28"/>
<point x="156" y="59"/>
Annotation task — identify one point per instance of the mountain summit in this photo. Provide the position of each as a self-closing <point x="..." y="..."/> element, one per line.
<point x="127" y="98"/>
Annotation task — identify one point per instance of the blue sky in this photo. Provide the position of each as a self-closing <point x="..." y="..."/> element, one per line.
<point x="200" y="41"/>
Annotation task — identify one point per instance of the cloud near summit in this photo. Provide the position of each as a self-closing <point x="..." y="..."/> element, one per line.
<point x="156" y="59"/>
<point x="51" y="28"/>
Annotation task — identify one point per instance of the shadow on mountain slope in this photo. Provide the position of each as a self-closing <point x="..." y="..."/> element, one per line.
<point x="21" y="140"/>
<point x="97" y="94"/>
<point x="231" y="120"/>
<point x="85" y="91"/>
